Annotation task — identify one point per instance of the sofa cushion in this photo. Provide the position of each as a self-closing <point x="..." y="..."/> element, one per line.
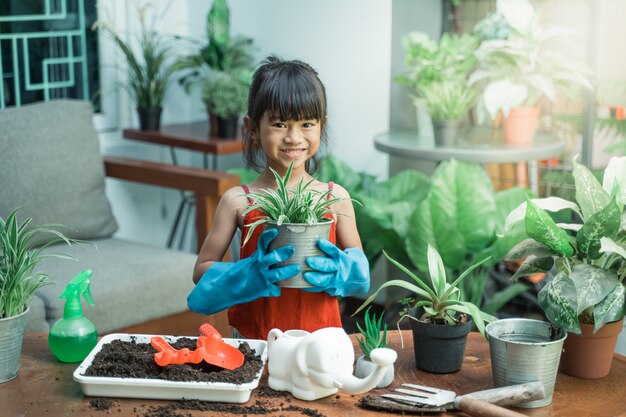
<point x="131" y="283"/>
<point x="36" y="316"/>
<point x="51" y="167"/>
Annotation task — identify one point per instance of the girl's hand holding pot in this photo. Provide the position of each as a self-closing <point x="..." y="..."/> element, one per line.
<point x="340" y="273"/>
<point x="225" y="284"/>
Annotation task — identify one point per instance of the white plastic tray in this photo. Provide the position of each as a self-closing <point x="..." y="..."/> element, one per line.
<point x="162" y="389"/>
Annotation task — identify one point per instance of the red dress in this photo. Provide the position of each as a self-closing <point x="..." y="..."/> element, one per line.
<point x="293" y="309"/>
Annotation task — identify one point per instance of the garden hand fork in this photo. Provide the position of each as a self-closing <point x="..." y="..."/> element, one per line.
<point x="479" y="404"/>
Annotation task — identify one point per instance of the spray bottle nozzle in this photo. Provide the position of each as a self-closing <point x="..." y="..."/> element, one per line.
<point x="77" y="287"/>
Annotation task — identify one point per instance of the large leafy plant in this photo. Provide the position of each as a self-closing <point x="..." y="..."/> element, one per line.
<point x="18" y="278"/>
<point x="522" y="62"/>
<point x="302" y="205"/>
<point x="588" y="254"/>
<point x="218" y="54"/>
<point x="456" y="211"/>
<point x="225" y="95"/>
<point x="440" y="299"/>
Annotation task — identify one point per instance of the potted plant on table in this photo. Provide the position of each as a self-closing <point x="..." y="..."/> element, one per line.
<point x="18" y="283"/>
<point x="586" y="296"/>
<point x="222" y="68"/>
<point x="437" y="73"/>
<point x="374" y="337"/>
<point x="149" y="61"/>
<point x="440" y="320"/>
<point x="521" y="62"/>
<point x="302" y="216"/>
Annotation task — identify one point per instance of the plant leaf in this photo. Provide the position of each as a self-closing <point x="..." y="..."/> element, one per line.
<point x="559" y="303"/>
<point x="611" y="308"/>
<point x="602" y="223"/>
<point x="590" y="195"/>
<point x="542" y="228"/>
<point x="533" y="265"/>
<point x="592" y="283"/>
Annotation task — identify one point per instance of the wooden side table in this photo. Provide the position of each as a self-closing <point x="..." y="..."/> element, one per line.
<point x="193" y="136"/>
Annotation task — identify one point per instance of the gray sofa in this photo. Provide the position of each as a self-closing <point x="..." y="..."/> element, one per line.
<point x="52" y="169"/>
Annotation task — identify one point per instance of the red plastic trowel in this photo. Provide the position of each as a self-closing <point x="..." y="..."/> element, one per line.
<point x="209" y="348"/>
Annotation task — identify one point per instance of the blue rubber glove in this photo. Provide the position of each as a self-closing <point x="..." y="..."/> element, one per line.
<point x="340" y="273"/>
<point x="226" y="284"/>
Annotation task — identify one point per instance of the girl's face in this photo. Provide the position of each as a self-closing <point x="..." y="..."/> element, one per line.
<point x="284" y="141"/>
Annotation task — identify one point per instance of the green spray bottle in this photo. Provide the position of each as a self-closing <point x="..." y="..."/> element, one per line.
<point x="74" y="336"/>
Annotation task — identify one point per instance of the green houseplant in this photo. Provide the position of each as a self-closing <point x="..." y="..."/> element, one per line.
<point x="374" y="336"/>
<point x="221" y="66"/>
<point x="436" y="308"/>
<point x="226" y="97"/>
<point x="149" y="64"/>
<point x="18" y="283"/>
<point x="588" y="256"/>
<point x="301" y="216"/>
<point x="437" y="73"/>
<point x="522" y="63"/>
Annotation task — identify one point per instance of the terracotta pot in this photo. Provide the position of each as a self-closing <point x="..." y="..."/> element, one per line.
<point x="520" y="126"/>
<point x="590" y="355"/>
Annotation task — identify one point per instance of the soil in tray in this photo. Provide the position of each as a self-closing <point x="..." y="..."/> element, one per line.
<point x="129" y="359"/>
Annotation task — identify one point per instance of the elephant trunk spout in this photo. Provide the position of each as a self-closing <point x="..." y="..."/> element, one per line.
<point x="382" y="358"/>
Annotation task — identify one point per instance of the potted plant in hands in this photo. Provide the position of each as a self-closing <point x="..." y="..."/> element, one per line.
<point x="433" y="65"/>
<point x="374" y="337"/>
<point x="521" y="64"/>
<point x="149" y="66"/>
<point x="228" y="59"/>
<point x="18" y="283"/>
<point x="226" y="98"/>
<point x="302" y="217"/>
<point x="440" y="320"/>
<point x="587" y="296"/>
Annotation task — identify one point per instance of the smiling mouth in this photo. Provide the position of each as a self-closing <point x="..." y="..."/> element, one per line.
<point x="293" y="152"/>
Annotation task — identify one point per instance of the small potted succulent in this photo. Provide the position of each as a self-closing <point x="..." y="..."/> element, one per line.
<point x="302" y="216"/>
<point x="587" y="256"/>
<point x="374" y="337"/>
<point x="440" y="320"/>
<point x="18" y="283"/>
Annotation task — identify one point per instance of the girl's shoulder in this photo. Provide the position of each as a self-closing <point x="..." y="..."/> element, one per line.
<point x="235" y="197"/>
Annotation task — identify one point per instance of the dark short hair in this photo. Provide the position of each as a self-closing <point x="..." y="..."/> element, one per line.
<point x="290" y="90"/>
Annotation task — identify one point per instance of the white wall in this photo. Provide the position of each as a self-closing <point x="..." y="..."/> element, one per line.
<point x="348" y="42"/>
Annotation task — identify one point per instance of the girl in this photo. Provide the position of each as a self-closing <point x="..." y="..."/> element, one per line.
<point x="285" y="124"/>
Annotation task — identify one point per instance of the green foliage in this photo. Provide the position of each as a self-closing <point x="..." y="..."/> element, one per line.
<point x="591" y="265"/>
<point x="149" y="73"/>
<point x="446" y="100"/>
<point x="439" y="298"/>
<point x="18" y="279"/>
<point x="220" y="54"/>
<point x="372" y="337"/>
<point x="456" y="211"/>
<point x="529" y="63"/>
<point x="225" y="96"/>
<point x="301" y="206"/>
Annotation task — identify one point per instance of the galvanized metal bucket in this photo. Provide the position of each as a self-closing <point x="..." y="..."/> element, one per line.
<point x="525" y="350"/>
<point x="304" y="238"/>
<point x="11" y="336"/>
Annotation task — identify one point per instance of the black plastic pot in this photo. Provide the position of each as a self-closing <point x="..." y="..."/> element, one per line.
<point x="227" y="127"/>
<point x="439" y="348"/>
<point x="149" y="118"/>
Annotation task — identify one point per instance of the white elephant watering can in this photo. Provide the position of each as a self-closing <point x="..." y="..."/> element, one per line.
<point x="316" y="365"/>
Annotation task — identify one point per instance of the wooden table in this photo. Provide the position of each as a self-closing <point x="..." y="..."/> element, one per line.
<point x="193" y="136"/>
<point x="44" y="387"/>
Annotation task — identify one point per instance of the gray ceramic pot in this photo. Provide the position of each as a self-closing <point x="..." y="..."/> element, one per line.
<point x="303" y="238"/>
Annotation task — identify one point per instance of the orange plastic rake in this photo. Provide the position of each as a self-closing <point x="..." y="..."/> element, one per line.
<point x="209" y="348"/>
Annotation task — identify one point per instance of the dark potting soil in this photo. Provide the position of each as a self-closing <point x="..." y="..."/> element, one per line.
<point x="258" y="408"/>
<point x="101" y="404"/>
<point x="129" y="359"/>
